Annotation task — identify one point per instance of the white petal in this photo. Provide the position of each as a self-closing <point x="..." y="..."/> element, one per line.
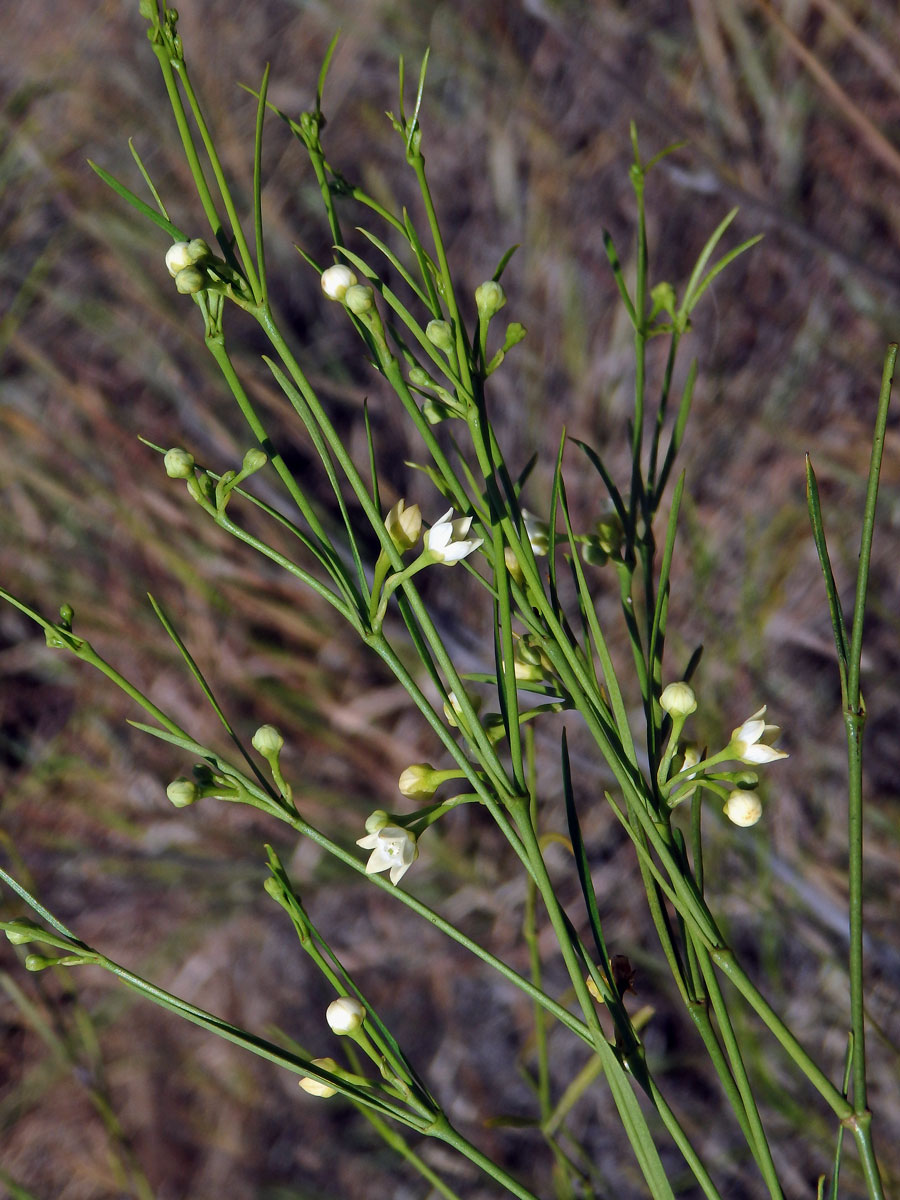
<point x="761" y="753"/>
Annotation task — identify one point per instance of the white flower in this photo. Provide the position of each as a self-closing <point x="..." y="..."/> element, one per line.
<point x="678" y="700"/>
<point x="317" y="1087"/>
<point x="345" y="1015"/>
<point x="743" y="808"/>
<point x="446" y="540"/>
<point x="747" y="744"/>
<point x="393" y="849"/>
<point x="336" y="280"/>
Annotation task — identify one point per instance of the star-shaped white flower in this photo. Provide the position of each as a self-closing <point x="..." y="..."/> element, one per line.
<point x="447" y="541"/>
<point x="747" y="744"/>
<point x="393" y="849"/>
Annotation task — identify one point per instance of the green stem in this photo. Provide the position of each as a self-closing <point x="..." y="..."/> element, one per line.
<point x="444" y="1130"/>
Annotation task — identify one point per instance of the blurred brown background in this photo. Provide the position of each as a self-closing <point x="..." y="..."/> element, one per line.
<point x="790" y="112"/>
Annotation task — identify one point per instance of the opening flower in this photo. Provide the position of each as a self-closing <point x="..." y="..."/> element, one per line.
<point x="447" y="540"/>
<point x="404" y="525"/>
<point x="393" y="849"/>
<point x="750" y="742"/>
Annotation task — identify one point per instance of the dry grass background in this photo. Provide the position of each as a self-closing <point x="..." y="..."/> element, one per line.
<point x="790" y="111"/>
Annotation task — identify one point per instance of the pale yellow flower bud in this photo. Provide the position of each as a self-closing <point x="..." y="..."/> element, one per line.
<point x="404" y="525"/>
<point x="315" y="1087"/>
<point x="417" y="781"/>
<point x="678" y="700"/>
<point x="743" y="808"/>
<point x="345" y="1015"/>
<point x="336" y="280"/>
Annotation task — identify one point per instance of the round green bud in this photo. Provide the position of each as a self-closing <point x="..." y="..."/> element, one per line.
<point x="37" y="962"/>
<point x="197" y="252"/>
<point x="359" y="299"/>
<point x="440" y="334"/>
<point x="267" y="741"/>
<point x="420" y="378"/>
<point x="254" y="460"/>
<point x="489" y="299"/>
<point x="190" y="280"/>
<point x="345" y="1015"/>
<point x="179" y="463"/>
<point x="336" y="280"/>
<point x="377" y="820"/>
<point x="417" y="782"/>
<point x="182" y="792"/>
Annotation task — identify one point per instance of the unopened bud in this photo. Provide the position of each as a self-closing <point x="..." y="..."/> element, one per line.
<point x="336" y="280"/>
<point x="489" y="299"/>
<point x="377" y="820"/>
<point x="678" y="700"/>
<point x="440" y="334"/>
<point x="316" y="1087"/>
<point x="743" y="808"/>
<point x="345" y="1015"/>
<point x="190" y="280"/>
<point x="417" y="782"/>
<point x="267" y="741"/>
<point x="254" y="460"/>
<point x="359" y="299"/>
<point x="178" y="257"/>
<point x="179" y="463"/>
<point x="182" y="792"/>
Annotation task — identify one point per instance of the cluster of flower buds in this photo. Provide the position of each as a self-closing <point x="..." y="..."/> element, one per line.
<point x="211" y="494"/>
<point x="186" y="262"/>
<point x="750" y="743"/>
